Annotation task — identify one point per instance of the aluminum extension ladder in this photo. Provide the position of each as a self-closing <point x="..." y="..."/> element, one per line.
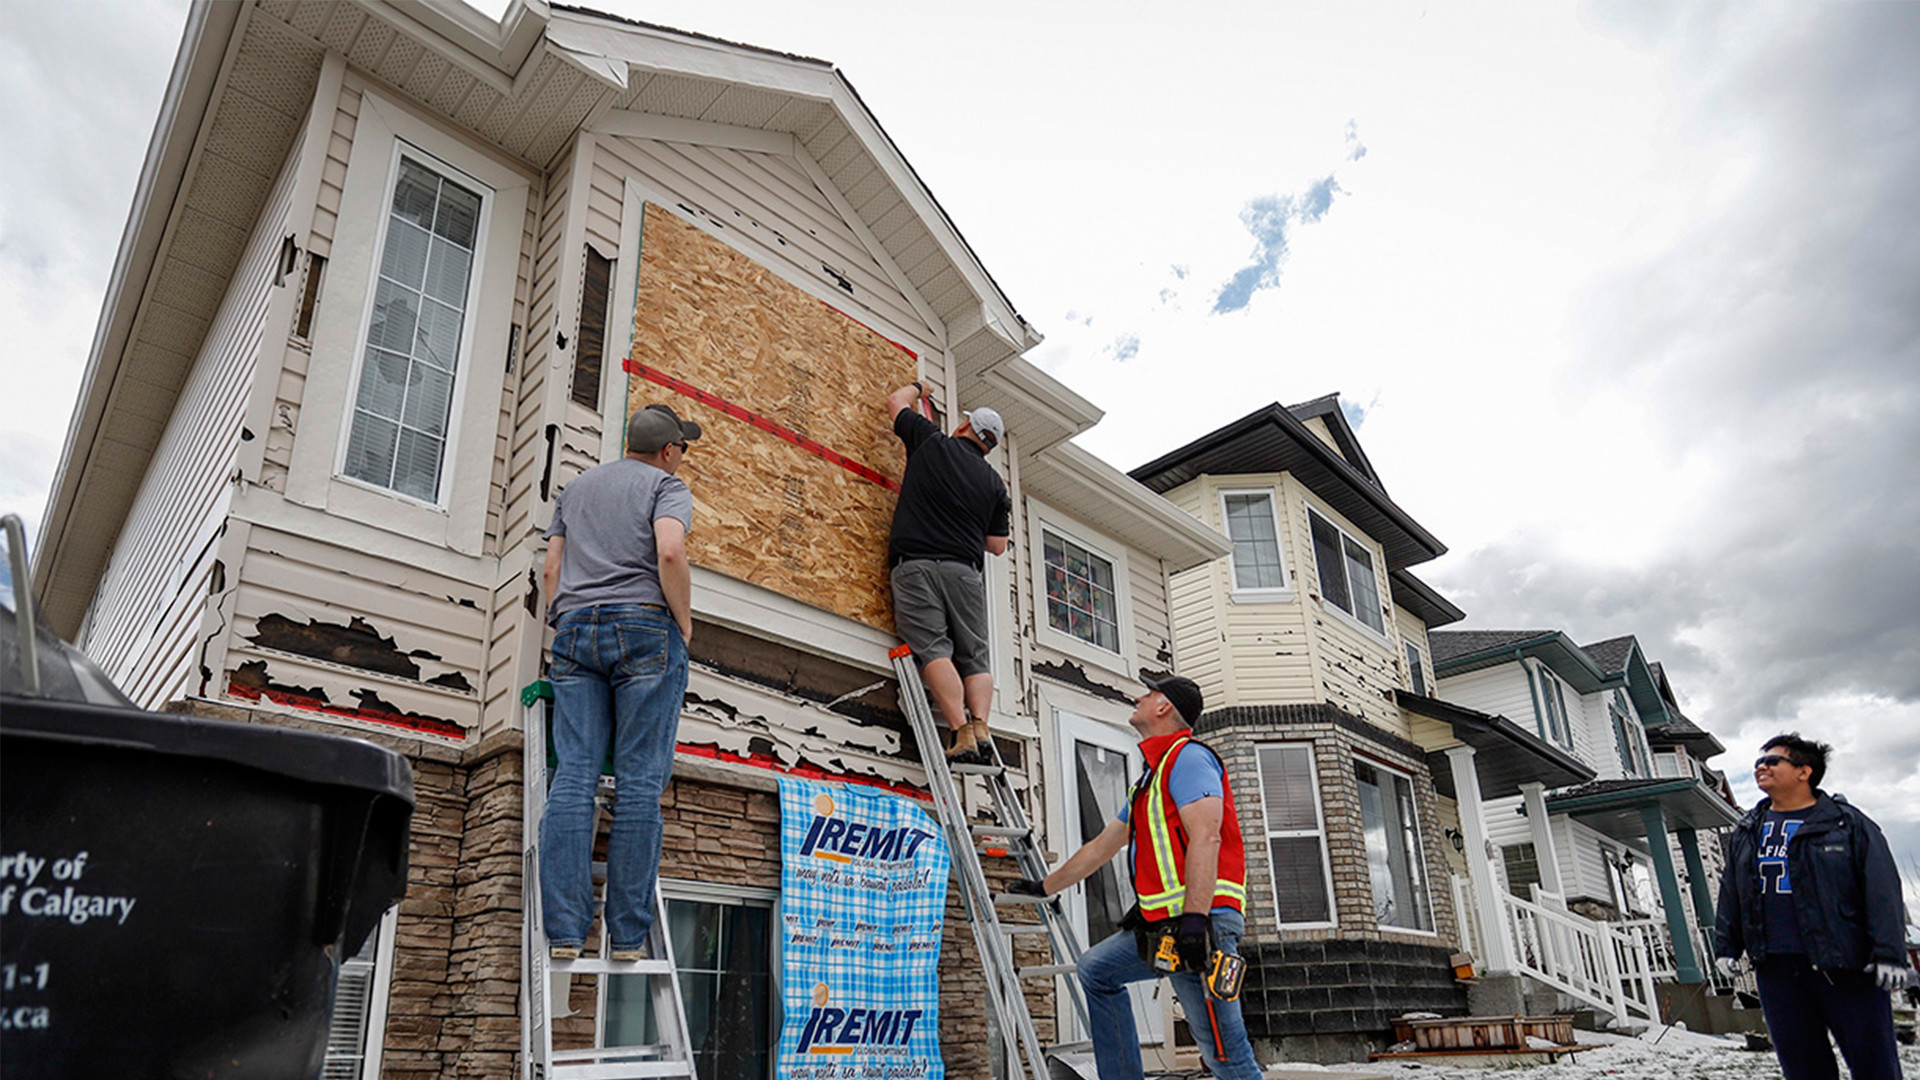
<point x="1015" y="835"/>
<point x="545" y="980"/>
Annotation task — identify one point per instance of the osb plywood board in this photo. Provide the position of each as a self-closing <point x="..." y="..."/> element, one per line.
<point x="731" y="345"/>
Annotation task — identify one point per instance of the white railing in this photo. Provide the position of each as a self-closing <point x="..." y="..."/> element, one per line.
<point x="1657" y="940"/>
<point x="1580" y="957"/>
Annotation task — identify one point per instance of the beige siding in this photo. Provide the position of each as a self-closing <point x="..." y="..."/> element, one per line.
<point x="149" y="607"/>
<point x="291" y="376"/>
<point x="436" y="622"/>
<point x="1413" y="631"/>
<point x="1354" y="668"/>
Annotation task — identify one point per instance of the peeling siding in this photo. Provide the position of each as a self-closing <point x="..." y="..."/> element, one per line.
<point x="144" y="629"/>
<point x="438" y="621"/>
<point x="1413" y="631"/>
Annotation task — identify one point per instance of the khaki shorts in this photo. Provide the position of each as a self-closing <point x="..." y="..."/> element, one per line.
<point x="940" y="611"/>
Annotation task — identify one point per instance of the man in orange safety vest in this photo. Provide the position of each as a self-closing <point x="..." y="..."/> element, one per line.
<point x="1189" y="872"/>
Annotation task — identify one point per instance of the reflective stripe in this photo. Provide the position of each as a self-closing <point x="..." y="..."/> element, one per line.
<point x="1162" y="839"/>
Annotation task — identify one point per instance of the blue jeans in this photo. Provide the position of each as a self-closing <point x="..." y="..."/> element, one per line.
<point x="619" y="677"/>
<point x="1107" y="968"/>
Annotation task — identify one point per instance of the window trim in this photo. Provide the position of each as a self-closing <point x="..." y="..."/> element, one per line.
<point x="1043" y="518"/>
<point x="1263" y="594"/>
<point x="339" y="329"/>
<point x="1268" y="833"/>
<point x="373" y="1038"/>
<point x="1417" y="679"/>
<point x="1373" y="558"/>
<point x="470" y="319"/>
<point x="1549" y="696"/>
<point x="1419" y="852"/>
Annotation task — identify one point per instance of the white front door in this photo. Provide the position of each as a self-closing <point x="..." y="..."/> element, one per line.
<point x="1102" y="761"/>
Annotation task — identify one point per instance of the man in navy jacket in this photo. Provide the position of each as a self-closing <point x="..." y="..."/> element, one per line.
<point x="1811" y="894"/>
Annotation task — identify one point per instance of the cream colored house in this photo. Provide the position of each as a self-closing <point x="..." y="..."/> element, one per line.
<point x="1359" y="795"/>
<point x="394" y="273"/>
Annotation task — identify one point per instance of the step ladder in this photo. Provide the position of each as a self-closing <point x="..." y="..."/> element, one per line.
<point x="1012" y="834"/>
<point x="546" y="981"/>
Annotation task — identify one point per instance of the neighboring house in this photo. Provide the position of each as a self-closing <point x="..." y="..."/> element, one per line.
<point x="1358" y="794"/>
<point x="394" y="273"/>
<point x="1624" y="847"/>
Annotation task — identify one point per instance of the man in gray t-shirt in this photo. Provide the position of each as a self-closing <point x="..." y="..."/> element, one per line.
<point x="619" y="594"/>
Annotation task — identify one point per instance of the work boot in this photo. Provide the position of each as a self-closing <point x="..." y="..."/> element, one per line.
<point x="982" y="741"/>
<point x="966" y="747"/>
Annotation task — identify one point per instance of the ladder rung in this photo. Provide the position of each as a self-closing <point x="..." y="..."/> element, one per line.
<point x="964" y="769"/>
<point x="593" y="965"/>
<point x="1001" y="830"/>
<point x="1037" y="970"/>
<point x="1023" y="928"/>
<point x="619" y="1070"/>
<point x="1020" y="898"/>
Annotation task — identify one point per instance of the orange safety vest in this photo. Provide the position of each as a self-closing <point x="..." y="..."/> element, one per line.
<point x="1156" y="827"/>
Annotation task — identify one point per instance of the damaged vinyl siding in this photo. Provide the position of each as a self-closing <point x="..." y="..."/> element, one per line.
<point x="1353" y="668"/>
<point x="321" y="627"/>
<point x="149" y="609"/>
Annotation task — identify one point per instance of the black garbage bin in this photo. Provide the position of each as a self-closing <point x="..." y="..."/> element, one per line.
<point x="176" y="894"/>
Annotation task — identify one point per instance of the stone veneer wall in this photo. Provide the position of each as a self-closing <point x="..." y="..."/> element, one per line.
<point x="453" y="1003"/>
<point x="1351" y="979"/>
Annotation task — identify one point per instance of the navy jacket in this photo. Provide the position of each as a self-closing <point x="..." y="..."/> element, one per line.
<point x="1846" y="890"/>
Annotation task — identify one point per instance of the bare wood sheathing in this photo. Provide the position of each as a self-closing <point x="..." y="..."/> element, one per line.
<point x="765" y="510"/>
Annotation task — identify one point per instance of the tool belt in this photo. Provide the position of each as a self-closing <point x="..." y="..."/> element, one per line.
<point x="1226" y="972"/>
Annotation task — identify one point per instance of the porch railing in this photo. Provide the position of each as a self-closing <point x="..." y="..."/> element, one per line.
<point x="1592" y="961"/>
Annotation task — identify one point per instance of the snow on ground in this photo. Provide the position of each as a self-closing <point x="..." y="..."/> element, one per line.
<point x="1659" y="1053"/>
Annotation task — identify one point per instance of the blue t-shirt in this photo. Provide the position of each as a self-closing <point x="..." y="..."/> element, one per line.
<point x="1776" y="887"/>
<point x="1197" y="774"/>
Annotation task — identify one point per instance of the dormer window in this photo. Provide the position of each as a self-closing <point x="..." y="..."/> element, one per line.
<point x="1347" y="579"/>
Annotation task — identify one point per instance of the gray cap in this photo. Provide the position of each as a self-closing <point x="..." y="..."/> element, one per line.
<point x="988" y="425"/>
<point x="654" y="427"/>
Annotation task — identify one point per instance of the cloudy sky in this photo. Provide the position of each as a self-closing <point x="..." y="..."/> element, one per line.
<point x="1624" y="300"/>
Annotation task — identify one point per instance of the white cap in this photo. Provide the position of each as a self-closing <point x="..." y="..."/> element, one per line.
<point x="988" y="425"/>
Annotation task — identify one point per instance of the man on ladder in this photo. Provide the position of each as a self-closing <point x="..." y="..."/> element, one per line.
<point x="953" y="508"/>
<point x="1190" y="875"/>
<point x="619" y="590"/>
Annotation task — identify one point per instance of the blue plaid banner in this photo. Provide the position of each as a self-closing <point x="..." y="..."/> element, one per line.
<point x="863" y="899"/>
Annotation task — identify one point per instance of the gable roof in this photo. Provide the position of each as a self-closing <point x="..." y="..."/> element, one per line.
<point x="1611" y="654"/>
<point x="1456" y="652"/>
<point x="243" y="80"/>
<point x="1326" y="409"/>
<point x="1273" y="439"/>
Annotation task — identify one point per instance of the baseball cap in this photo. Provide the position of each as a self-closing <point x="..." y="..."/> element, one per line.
<point x="654" y="427"/>
<point x="1183" y="692"/>
<point x="988" y="425"/>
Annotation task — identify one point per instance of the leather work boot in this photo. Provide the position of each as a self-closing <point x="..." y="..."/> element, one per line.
<point x="966" y="748"/>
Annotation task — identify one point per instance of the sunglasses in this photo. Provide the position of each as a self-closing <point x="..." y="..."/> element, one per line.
<point x="682" y="445"/>
<point x="1770" y="760"/>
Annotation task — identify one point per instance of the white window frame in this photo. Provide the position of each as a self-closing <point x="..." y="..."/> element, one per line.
<point x="1373" y="555"/>
<point x="1269" y="594"/>
<point x="374" y="1038"/>
<point x="462" y="368"/>
<point x="707" y="892"/>
<point x="1269" y="833"/>
<point x="1043" y="519"/>
<point x="1417" y="666"/>
<point x="1551" y="700"/>
<point x="1419" y="849"/>
<point x="458" y="519"/>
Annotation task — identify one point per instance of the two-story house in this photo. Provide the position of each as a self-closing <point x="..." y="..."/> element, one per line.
<point x="1359" y="794"/>
<point x="1624" y="847"/>
<point x="394" y="273"/>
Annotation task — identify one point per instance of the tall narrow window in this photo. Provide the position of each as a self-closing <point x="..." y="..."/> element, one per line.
<point x="1296" y="838"/>
<point x="1255" y="558"/>
<point x="1081" y="598"/>
<point x="1416" y="671"/>
<point x="590" y="351"/>
<point x="1347" y="579"/>
<point x="404" y="403"/>
<point x="1395" y="858"/>
<point x="1623" y="741"/>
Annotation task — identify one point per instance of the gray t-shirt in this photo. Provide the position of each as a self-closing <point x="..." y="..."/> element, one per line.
<point x="607" y="515"/>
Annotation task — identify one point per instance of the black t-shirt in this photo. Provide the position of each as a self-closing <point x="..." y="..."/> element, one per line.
<point x="950" y="498"/>
<point x="1776" y="887"/>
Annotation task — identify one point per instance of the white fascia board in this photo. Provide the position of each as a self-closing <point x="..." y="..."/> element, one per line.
<point x="1023" y="375"/>
<point x="1107" y="498"/>
<point x="183" y="112"/>
<point x="677" y="54"/>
